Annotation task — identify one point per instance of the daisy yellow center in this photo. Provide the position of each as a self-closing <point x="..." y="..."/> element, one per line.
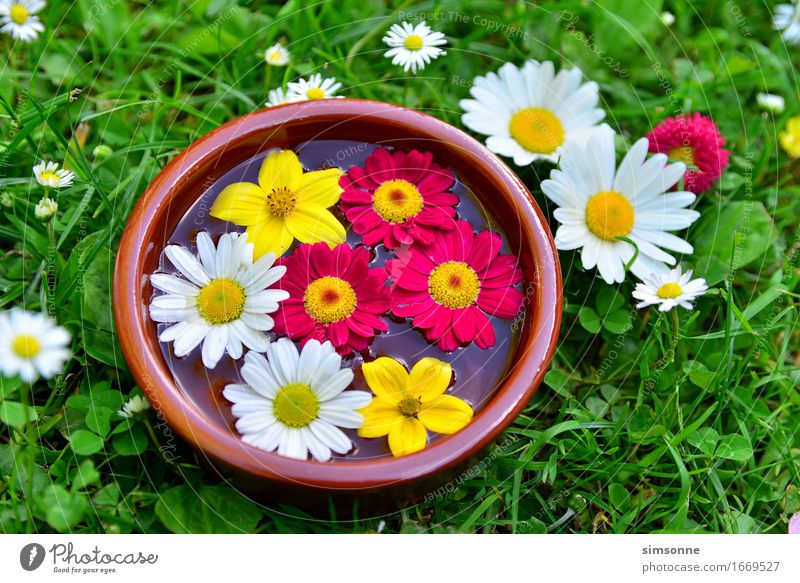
<point x="274" y="57"/>
<point x="609" y="215"/>
<point x="454" y="285"/>
<point x="295" y="405"/>
<point x="26" y="346"/>
<point x="397" y="201"/>
<point x="315" y="93"/>
<point x="49" y="176"/>
<point x="409" y="406"/>
<point x="537" y="130"/>
<point x="221" y="301"/>
<point x="329" y="299"/>
<point x="19" y="14"/>
<point x="669" y="291"/>
<point x="281" y="201"/>
<point x="413" y="42"/>
<point x="682" y="154"/>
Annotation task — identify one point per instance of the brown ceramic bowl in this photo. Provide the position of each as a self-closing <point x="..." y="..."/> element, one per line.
<point x="375" y="482"/>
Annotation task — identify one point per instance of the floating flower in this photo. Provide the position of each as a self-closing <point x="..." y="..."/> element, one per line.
<point x="667" y="290"/>
<point x="45" y="209"/>
<point x="398" y="198"/>
<point x="31" y="345"/>
<point x="770" y="102"/>
<point x="790" y="137"/>
<point x="787" y="20"/>
<point x="315" y="87"/>
<point x="333" y="295"/>
<point x="48" y="175"/>
<point x="598" y="204"/>
<point x="406" y="406"/>
<point x="133" y="407"/>
<point x="296" y="403"/>
<point x="18" y="18"/>
<point x="450" y="286"/>
<point x="277" y="55"/>
<point x="224" y="300"/>
<point x="696" y="141"/>
<point x="528" y="113"/>
<point x="286" y="204"/>
<point x="794" y="524"/>
<point x="413" y="47"/>
<point x="277" y="96"/>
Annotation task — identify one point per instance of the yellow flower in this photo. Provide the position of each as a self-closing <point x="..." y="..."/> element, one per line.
<point x="285" y="205"/>
<point x="406" y="405"/>
<point x="790" y="137"/>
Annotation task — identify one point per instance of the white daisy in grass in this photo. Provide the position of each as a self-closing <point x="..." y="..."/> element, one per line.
<point x="667" y="290"/>
<point x="133" y="407"/>
<point x="529" y="113"/>
<point x="223" y="301"/>
<point x="48" y="175"/>
<point x="787" y="20"/>
<point x="599" y="203"/>
<point x="18" y="18"/>
<point x="413" y="47"/>
<point x="278" y="96"/>
<point x="296" y="402"/>
<point x="277" y="55"/>
<point x="315" y="87"/>
<point x="31" y="345"/>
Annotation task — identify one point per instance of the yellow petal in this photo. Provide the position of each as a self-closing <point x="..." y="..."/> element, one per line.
<point x="446" y="414"/>
<point x="312" y="224"/>
<point x="280" y="169"/>
<point x="241" y="203"/>
<point x="380" y="416"/>
<point x="269" y="236"/>
<point x="407" y="437"/>
<point x="320" y="188"/>
<point x="386" y="377"/>
<point x="429" y="378"/>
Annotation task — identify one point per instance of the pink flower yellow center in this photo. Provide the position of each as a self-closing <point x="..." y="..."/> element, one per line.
<point x="413" y="42"/>
<point x="26" y="346"/>
<point x="396" y="201"/>
<point x="315" y="93"/>
<point x="221" y="301"/>
<point x="537" y="130"/>
<point x="609" y="215"/>
<point x="669" y="291"/>
<point x="281" y="201"/>
<point x="19" y="14"/>
<point x="296" y="405"/>
<point x="682" y="154"/>
<point x="329" y="299"/>
<point x="454" y="285"/>
<point x="409" y="406"/>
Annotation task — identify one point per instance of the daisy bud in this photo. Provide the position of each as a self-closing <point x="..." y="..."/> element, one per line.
<point x="45" y="209"/>
<point x="102" y="151"/>
<point x="770" y="102"/>
<point x="667" y="18"/>
<point x="6" y="199"/>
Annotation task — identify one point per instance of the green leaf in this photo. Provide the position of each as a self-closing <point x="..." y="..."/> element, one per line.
<point x="705" y="439"/>
<point x="9" y="386"/>
<point x="16" y="414"/>
<point x="608" y="299"/>
<point x="619" y="497"/>
<point x="735" y="447"/>
<point x="185" y="510"/>
<point x="531" y="526"/>
<point x="618" y="322"/>
<point x="557" y="380"/>
<point x="85" y="442"/>
<point x="62" y="509"/>
<point x="107" y="495"/>
<point x="699" y="374"/>
<point x="98" y="419"/>
<point x="589" y="319"/>
<point x="133" y="442"/>
<point x="84" y="475"/>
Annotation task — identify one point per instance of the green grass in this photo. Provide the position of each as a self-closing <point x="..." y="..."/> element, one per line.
<point x="627" y="434"/>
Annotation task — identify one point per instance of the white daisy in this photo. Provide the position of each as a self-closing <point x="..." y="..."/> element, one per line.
<point x="770" y="102"/>
<point x="133" y="406"/>
<point x="18" y="18"/>
<point x="529" y="113"/>
<point x="413" y="47"/>
<point x="31" y="345"/>
<point x="315" y="87"/>
<point x="296" y="403"/>
<point x="787" y="20"/>
<point x="669" y="290"/>
<point x="47" y="174"/>
<point x="277" y="55"/>
<point x="224" y="300"/>
<point x="45" y="209"/>
<point x="278" y="96"/>
<point x="599" y="203"/>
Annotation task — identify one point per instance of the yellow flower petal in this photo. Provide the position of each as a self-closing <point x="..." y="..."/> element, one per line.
<point x="386" y="377"/>
<point x="407" y="437"/>
<point x="429" y="378"/>
<point x="312" y="224"/>
<point x="320" y="188"/>
<point x="269" y="236"/>
<point x="380" y="416"/>
<point x="280" y="169"/>
<point x="446" y="414"/>
<point x="241" y="203"/>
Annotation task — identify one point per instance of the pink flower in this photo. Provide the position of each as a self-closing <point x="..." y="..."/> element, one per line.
<point x="695" y="140"/>
<point x="333" y="295"/>
<point x="398" y="198"/>
<point x="449" y="286"/>
<point x="794" y="524"/>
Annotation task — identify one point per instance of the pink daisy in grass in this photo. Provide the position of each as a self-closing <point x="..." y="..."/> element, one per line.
<point x="696" y="141"/>
<point x="333" y="295"/>
<point x="398" y="198"/>
<point x="451" y="286"/>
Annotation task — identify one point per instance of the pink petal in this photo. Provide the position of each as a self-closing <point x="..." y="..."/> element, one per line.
<point x="485" y="247"/>
<point x="503" y="303"/>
